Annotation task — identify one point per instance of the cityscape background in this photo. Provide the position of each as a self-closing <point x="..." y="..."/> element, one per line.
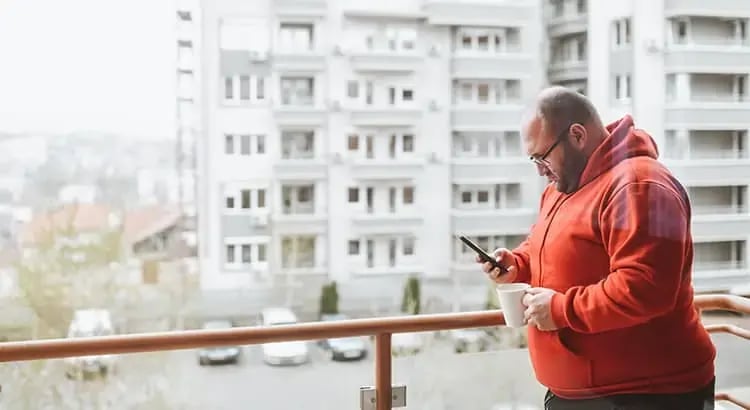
<point x="179" y="162"/>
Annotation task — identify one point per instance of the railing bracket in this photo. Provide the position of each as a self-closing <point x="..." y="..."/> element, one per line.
<point x="367" y="399"/>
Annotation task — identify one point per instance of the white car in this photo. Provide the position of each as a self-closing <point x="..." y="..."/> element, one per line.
<point x="90" y="323"/>
<point x="282" y="353"/>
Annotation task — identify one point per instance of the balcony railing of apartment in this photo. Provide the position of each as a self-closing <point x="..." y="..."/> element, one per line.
<point x="720" y="210"/>
<point x="718" y="265"/>
<point x="381" y="328"/>
<point x="682" y="153"/>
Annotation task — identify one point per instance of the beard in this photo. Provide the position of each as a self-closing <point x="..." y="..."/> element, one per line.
<point x="573" y="164"/>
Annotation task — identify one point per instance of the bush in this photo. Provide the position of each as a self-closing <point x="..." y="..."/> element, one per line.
<point x="329" y="299"/>
<point x="411" y="300"/>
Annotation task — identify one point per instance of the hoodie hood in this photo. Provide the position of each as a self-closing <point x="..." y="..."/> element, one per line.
<point x="624" y="141"/>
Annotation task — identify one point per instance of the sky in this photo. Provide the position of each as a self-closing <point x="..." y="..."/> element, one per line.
<point x="88" y="65"/>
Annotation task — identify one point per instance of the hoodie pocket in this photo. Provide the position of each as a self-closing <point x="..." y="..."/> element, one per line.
<point x="556" y="365"/>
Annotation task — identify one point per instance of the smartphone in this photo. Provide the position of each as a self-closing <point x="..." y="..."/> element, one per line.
<point x="482" y="254"/>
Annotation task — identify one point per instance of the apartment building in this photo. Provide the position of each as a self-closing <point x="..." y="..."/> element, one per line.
<point x="681" y="68"/>
<point x="354" y="140"/>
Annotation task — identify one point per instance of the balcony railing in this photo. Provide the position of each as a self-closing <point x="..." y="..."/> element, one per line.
<point x="381" y="328"/>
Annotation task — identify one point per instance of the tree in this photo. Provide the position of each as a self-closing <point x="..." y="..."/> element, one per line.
<point x="329" y="299"/>
<point x="64" y="269"/>
<point x="410" y="303"/>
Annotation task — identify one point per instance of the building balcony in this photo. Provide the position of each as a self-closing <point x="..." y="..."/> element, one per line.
<point x="718" y="8"/>
<point x="244" y="224"/>
<point x="299" y="223"/>
<point x="391" y="169"/>
<point x="727" y="58"/>
<point x="301" y="113"/>
<point x="427" y="339"/>
<point x="377" y="222"/>
<point x="483" y="65"/>
<point x="486" y="117"/>
<point x="568" y="71"/>
<point x="720" y="222"/>
<point x="719" y="276"/>
<point x="306" y="61"/>
<point x="482" y="14"/>
<point x="711" y="172"/>
<point x="513" y="221"/>
<point x="559" y="26"/>
<point x="384" y="116"/>
<point x="386" y="61"/>
<point x="491" y="171"/>
<point x="707" y="115"/>
<point x="301" y="168"/>
<point x="396" y="269"/>
<point x="300" y="8"/>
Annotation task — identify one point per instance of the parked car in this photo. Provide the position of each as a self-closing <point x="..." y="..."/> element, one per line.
<point x="219" y="355"/>
<point x="90" y="323"/>
<point x="282" y="353"/>
<point x="343" y="348"/>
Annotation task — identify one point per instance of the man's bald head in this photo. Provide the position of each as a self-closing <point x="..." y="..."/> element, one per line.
<point x="558" y="107"/>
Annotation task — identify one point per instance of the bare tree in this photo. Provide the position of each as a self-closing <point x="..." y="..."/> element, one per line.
<point x="65" y="270"/>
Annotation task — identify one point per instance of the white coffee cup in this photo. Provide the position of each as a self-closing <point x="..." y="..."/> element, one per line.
<point x="510" y="296"/>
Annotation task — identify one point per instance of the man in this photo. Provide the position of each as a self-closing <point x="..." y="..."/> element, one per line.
<point x="610" y="314"/>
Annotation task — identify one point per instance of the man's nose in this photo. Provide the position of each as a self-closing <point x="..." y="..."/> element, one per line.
<point x="541" y="169"/>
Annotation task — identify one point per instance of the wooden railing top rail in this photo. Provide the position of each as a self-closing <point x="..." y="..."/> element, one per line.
<point x="191" y="339"/>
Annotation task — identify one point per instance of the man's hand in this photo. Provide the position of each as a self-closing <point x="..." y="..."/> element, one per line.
<point x="505" y="258"/>
<point x="538" y="308"/>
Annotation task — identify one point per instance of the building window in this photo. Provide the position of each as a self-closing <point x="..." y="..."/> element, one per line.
<point x="243" y="199"/>
<point x="497" y="196"/>
<point x="246" y="254"/>
<point x="486" y="92"/>
<point x="244" y="144"/>
<point x="243" y="251"/>
<point x="621" y="29"/>
<point x="230" y="253"/>
<point x="244" y="89"/>
<point x="297" y="91"/>
<point x="408" y="193"/>
<point x="408" y="246"/>
<point x="408" y="143"/>
<point x="298" y="252"/>
<point x="622" y="87"/>
<point x="297" y="144"/>
<point x="482" y="40"/>
<point x="261" y="198"/>
<point x="353" y="195"/>
<point x="354" y="247"/>
<point x="228" y="88"/>
<point x="296" y="37"/>
<point x="228" y="144"/>
<point x="262" y="252"/>
<point x="352" y="89"/>
<point x="353" y="142"/>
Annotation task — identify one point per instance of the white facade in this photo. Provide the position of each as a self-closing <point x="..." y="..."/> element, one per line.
<point x="353" y="140"/>
<point x="681" y="68"/>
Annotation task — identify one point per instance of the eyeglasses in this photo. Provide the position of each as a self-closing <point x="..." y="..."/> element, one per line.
<point x="542" y="160"/>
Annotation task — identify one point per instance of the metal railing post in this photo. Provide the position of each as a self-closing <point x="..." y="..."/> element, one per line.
<point x="383" y="371"/>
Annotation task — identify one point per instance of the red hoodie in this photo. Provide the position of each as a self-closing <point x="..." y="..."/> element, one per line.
<point x="619" y="250"/>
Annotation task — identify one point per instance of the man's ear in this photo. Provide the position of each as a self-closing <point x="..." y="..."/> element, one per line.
<point x="578" y="135"/>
